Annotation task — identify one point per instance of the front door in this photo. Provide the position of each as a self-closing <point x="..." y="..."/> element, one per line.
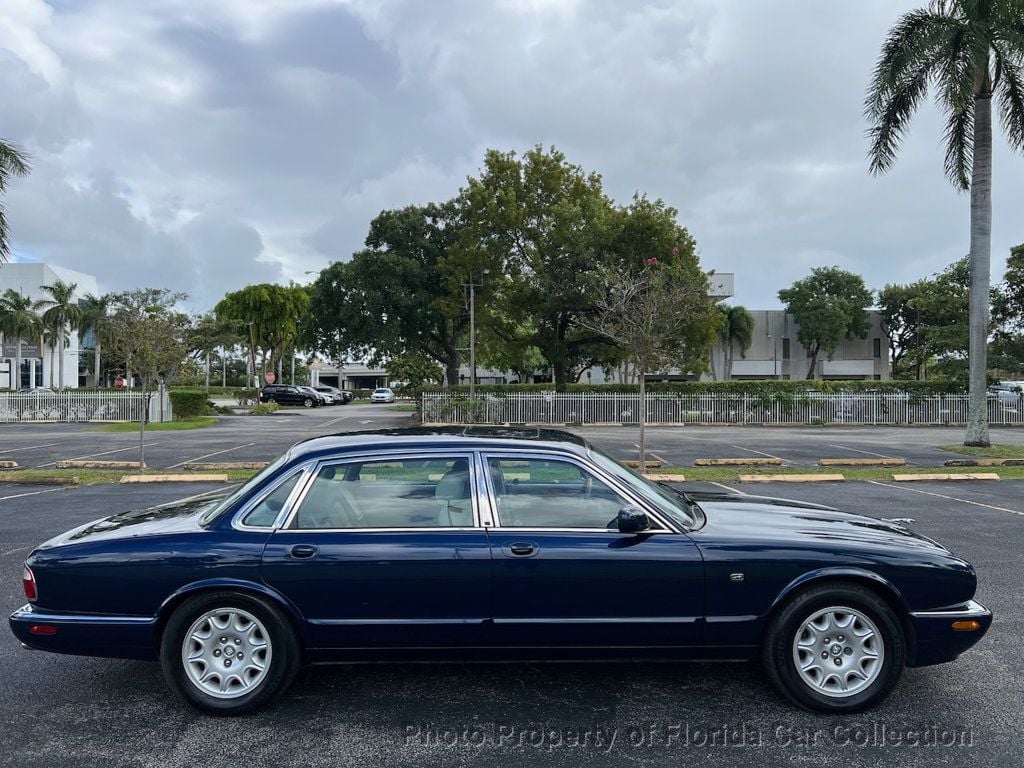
<point x="386" y="552"/>
<point x="565" y="577"/>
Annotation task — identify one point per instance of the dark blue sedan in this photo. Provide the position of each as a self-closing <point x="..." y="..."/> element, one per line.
<point x="491" y="544"/>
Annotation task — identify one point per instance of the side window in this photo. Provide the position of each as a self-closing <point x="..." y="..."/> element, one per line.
<point x="429" y="492"/>
<point x="265" y="513"/>
<point x="550" y="493"/>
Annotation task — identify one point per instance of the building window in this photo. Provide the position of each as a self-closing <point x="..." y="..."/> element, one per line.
<point x="877" y="348"/>
<point x="785" y="349"/>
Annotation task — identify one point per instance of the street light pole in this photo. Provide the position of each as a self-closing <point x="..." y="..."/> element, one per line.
<point x="472" y="340"/>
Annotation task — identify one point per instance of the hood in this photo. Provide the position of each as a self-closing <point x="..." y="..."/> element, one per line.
<point x="761" y="517"/>
<point x="169" y="518"/>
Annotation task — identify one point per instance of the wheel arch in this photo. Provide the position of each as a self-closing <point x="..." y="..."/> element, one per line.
<point x="250" y="588"/>
<point x="872" y="581"/>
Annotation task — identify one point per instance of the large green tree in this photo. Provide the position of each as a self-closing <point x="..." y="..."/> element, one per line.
<point x="13" y="162"/>
<point x="899" y="309"/>
<point x="1008" y="315"/>
<point x="970" y="52"/>
<point x="829" y="305"/>
<point x="18" y="321"/>
<point x="61" y="314"/>
<point x="273" y="312"/>
<point x="398" y="296"/>
<point x="543" y="223"/>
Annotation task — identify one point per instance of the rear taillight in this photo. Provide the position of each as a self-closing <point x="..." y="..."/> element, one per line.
<point x="28" y="582"/>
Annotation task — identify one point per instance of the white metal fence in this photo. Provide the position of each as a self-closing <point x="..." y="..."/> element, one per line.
<point x="719" y="408"/>
<point x="77" y="405"/>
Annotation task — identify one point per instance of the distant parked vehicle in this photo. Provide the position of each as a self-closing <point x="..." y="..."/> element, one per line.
<point x="348" y="394"/>
<point x="288" y="395"/>
<point x="36" y="391"/>
<point x="337" y="397"/>
<point x="383" y="395"/>
<point x="321" y="398"/>
<point x="1010" y="393"/>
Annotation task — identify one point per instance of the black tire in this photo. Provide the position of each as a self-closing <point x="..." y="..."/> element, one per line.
<point x="282" y="667"/>
<point x="271" y="400"/>
<point x="778" y="654"/>
<point x="308" y="403"/>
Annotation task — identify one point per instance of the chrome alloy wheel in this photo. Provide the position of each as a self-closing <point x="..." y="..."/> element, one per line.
<point x="226" y="653"/>
<point x="838" y="652"/>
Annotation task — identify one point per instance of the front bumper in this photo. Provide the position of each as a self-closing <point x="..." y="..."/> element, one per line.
<point x="118" y="637"/>
<point x="937" y="640"/>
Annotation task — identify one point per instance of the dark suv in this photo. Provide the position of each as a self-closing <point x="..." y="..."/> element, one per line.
<point x="287" y="395"/>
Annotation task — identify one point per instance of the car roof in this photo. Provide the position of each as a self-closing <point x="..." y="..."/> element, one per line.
<point x="442" y="437"/>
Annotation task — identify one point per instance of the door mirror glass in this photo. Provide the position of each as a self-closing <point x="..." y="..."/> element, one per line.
<point x="632" y="520"/>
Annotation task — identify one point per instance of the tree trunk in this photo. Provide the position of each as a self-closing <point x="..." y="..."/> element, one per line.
<point x="96" y="363"/>
<point x="641" y="371"/>
<point x="16" y="382"/>
<point x="814" y="363"/>
<point x="981" y="256"/>
<point x="451" y="367"/>
<point x="208" y="371"/>
<point x="142" y="431"/>
<point x="711" y="363"/>
<point x="60" y="360"/>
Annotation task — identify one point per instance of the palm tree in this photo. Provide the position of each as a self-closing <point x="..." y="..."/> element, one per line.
<point x="95" y="317"/>
<point x="61" y="313"/>
<point x="18" y="320"/>
<point x="969" y="51"/>
<point x="13" y="162"/>
<point x="736" y="327"/>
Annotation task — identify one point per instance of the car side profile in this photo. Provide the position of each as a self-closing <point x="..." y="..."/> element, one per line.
<point x="285" y="394"/>
<point x="335" y="395"/>
<point x="472" y="543"/>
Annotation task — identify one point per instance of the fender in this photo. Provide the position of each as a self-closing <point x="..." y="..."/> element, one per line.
<point x="207" y="585"/>
<point x="839" y="572"/>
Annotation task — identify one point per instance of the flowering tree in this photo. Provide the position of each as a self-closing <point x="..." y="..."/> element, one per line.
<point x="660" y="313"/>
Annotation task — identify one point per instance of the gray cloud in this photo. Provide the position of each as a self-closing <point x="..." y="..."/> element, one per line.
<point x="201" y="146"/>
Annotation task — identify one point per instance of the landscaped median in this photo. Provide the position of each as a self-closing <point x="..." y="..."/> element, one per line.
<point x="73" y="477"/>
<point x="825" y="474"/>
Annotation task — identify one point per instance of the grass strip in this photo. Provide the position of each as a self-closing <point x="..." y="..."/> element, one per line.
<point x="158" y="426"/>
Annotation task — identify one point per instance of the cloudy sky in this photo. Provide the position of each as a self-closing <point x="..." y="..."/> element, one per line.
<point x="204" y="144"/>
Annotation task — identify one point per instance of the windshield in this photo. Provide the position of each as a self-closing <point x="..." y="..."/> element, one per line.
<point x="243" y="489"/>
<point x="664" y="499"/>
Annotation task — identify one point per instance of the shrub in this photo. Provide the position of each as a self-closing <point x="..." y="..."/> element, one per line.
<point x="189" y="404"/>
<point x="246" y="396"/>
<point x="264" y="409"/>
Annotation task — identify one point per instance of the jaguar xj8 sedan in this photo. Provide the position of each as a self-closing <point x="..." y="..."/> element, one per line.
<point x="494" y="544"/>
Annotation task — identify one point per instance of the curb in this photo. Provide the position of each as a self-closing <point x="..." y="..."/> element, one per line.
<point x="879" y="462"/>
<point x="8" y="465"/>
<point x="209" y="478"/>
<point x="664" y="477"/>
<point x="203" y="466"/>
<point x="741" y="462"/>
<point x="818" y="478"/>
<point x="946" y="476"/>
<point x="91" y="464"/>
<point x="635" y="463"/>
<point x="983" y="463"/>
<point x="40" y="480"/>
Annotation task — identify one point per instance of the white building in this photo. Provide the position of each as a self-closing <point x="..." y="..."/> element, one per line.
<point x="40" y="362"/>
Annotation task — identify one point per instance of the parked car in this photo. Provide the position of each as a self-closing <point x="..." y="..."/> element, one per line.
<point x="337" y="397"/>
<point x="285" y="394"/>
<point x="322" y="397"/>
<point x="382" y="395"/>
<point x="487" y="543"/>
<point x="36" y="391"/>
<point x="1010" y="393"/>
<point x="349" y="395"/>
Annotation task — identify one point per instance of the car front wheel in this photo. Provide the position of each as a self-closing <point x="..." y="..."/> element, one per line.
<point x="228" y="654"/>
<point x="835" y="648"/>
<point x="307" y="403"/>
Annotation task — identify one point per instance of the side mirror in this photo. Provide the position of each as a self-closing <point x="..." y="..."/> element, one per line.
<point x="632" y="520"/>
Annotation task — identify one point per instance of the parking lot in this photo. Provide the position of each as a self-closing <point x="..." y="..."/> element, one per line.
<point x="80" y="711"/>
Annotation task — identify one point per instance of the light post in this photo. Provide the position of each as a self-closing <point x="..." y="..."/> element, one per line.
<point x="472" y="285"/>
<point x="776" y="374"/>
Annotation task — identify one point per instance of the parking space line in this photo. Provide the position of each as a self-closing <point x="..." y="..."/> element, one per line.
<point x="30" y="493"/>
<point x="650" y="452"/>
<point x="737" y="491"/>
<point x="760" y="453"/>
<point x="94" y="455"/>
<point x="949" y="498"/>
<point x="332" y="421"/>
<point x="221" y="489"/>
<point x="868" y="453"/>
<point x="208" y="455"/>
<point x="5" y="451"/>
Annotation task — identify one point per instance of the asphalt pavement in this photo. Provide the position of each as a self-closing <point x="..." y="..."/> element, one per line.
<point x="81" y="712"/>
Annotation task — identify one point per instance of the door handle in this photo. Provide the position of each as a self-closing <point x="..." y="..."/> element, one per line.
<point x="522" y="548"/>
<point x="303" y="551"/>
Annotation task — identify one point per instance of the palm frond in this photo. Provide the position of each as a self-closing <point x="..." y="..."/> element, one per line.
<point x="891" y="125"/>
<point x="13" y="162"/>
<point x="959" y="137"/>
<point x="1010" y="95"/>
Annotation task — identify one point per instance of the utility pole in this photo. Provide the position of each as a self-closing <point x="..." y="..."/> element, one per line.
<point x="472" y="340"/>
<point x="293" y="367"/>
<point x="252" y="354"/>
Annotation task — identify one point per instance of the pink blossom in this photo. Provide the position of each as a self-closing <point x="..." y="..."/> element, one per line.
<point x="652" y="261"/>
<point x="675" y="251"/>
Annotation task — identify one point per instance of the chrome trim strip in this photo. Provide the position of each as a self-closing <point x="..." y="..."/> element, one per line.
<point x="974" y="608"/>
<point x="391" y="622"/>
<point x="612" y="482"/>
<point x="606" y="620"/>
<point x="296" y="503"/>
<point x="236" y="519"/>
<point x="27" y="613"/>
<point x="728" y="619"/>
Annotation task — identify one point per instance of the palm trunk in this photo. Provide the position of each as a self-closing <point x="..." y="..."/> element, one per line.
<point x="16" y="379"/>
<point x="643" y="418"/>
<point x="96" y="363"/>
<point x="60" y="361"/>
<point x="981" y="256"/>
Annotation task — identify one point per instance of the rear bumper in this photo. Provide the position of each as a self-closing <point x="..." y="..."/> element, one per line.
<point x="938" y="642"/>
<point x="118" y="637"/>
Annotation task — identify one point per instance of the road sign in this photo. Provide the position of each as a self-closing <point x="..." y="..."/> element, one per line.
<point x="119" y="382"/>
<point x="270" y="377"/>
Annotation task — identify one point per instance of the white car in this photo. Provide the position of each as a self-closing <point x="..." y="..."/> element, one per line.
<point x="324" y="398"/>
<point x="383" y="395"/>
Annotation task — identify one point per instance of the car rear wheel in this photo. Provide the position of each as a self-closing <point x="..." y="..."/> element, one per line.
<point x="228" y="654"/>
<point x="835" y="648"/>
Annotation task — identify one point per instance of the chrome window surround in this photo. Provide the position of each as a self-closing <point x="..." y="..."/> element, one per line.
<point x="398" y="455"/>
<point x="611" y="482"/>
<point x="236" y="519"/>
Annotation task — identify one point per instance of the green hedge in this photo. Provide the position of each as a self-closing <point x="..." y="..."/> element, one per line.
<point x="762" y="387"/>
<point x="188" y="404"/>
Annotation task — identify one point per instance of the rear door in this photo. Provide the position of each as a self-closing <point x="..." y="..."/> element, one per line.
<point x="387" y="551"/>
<point x="563" y="574"/>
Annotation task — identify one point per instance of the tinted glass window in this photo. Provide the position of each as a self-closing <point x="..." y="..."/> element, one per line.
<point x="265" y="513"/>
<point x="430" y="492"/>
<point x="544" y="493"/>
